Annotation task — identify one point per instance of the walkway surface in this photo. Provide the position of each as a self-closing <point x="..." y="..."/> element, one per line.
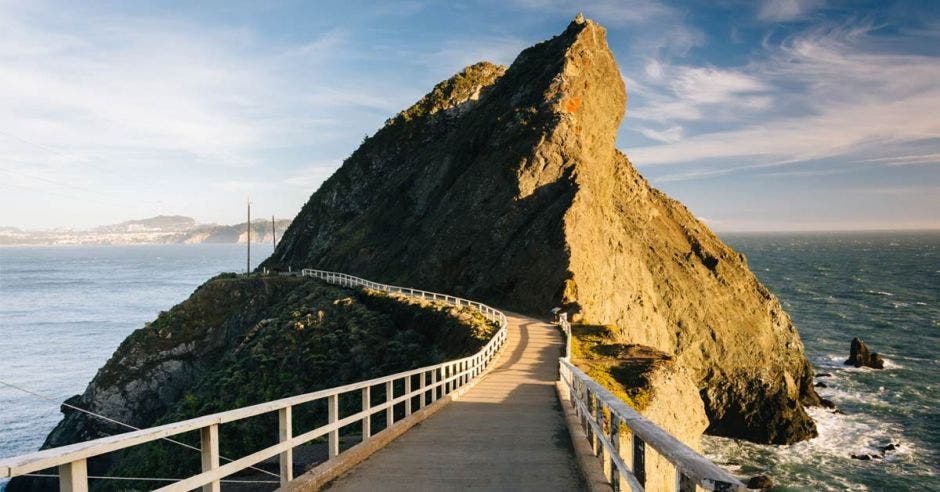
<point x="506" y="433"/>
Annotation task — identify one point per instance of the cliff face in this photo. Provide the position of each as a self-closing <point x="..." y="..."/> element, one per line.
<point x="504" y="184"/>
<point x="237" y="342"/>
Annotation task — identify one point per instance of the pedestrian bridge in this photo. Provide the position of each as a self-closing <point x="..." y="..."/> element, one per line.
<point x="517" y="415"/>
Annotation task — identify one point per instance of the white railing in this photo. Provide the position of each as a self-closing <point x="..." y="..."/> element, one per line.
<point x="601" y="415"/>
<point x="421" y="386"/>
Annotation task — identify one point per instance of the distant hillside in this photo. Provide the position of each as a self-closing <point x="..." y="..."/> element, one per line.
<point x="160" y="223"/>
<point x="162" y="229"/>
<point x="260" y="232"/>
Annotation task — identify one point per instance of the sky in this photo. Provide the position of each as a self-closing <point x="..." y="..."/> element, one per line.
<point x="767" y="115"/>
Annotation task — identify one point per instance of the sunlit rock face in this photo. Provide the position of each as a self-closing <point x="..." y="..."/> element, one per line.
<point x="505" y="185"/>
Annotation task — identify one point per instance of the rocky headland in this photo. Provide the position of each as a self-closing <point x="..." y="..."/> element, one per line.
<point x="505" y="185"/>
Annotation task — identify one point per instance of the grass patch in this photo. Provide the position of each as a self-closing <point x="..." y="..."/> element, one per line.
<point x="624" y="369"/>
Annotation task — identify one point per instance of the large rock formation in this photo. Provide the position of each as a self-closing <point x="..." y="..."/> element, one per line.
<point x="505" y="185"/>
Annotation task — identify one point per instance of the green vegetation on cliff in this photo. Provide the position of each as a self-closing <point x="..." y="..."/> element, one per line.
<point x="623" y="369"/>
<point x="237" y="342"/>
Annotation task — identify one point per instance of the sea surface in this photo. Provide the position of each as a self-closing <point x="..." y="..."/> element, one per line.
<point x="885" y="289"/>
<point x="64" y="310"/>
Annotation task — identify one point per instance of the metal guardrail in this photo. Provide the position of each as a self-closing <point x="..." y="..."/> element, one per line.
<point x="601" y="415"/>
<point x="425" y="384"/>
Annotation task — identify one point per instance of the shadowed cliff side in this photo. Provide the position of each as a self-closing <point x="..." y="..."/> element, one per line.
<point x="505" y="185"/>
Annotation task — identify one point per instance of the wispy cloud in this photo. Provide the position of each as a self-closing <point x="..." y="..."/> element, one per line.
<point x="676" y="93"/>
<point x="786" y="10"/>
<point x="125" y="101"/>
<point x="893" y="101"/>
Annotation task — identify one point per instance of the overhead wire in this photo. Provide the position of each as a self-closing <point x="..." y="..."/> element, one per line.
<point x="113" y="421"/>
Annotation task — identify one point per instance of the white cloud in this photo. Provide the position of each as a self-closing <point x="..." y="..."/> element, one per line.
<point x="677" y="93"/>
<point x="908" y="160"/>
<point x="162" y="105"/>
<point x="848" y="98"/>
<point x="143" y="86"/>
<point x="786" y="10"/>
<point x="669" y="135"/>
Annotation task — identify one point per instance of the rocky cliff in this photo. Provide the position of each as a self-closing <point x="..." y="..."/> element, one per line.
<point x="505" y="185"/>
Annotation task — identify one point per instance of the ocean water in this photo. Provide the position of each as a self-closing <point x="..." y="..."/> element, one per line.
<point x="64" y="310"/>
<point x="885" y="289"/>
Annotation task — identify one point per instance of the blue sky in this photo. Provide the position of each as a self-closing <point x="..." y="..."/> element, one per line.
<point x="773" y="115"/>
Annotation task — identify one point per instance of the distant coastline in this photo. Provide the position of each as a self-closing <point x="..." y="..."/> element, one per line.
<point x="163" y="229"/>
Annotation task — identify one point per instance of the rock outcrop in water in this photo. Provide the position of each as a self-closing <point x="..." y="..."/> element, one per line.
<point x="859" y="356"/>
<point x="505" y="185"/>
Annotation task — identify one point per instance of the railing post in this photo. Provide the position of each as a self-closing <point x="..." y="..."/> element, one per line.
<point x="683" y="482"/>
<point x="445" y="372"/>
<point x="389" y="396"/>
<point x="592" y="409"/>
<point x="615" y="478"/>
<point x="285" y="432"/>
<point x="332" y="403"/>
<point x="606" y="462"/>
<point x="421" y="384"/>
<point x="408" y="393"/>
<point x="73" y="477"/>
<point x="434" y="384"/>
<point x="367" y="420"/>
<point x="209" y="446"/>
<point x="639" y="460"/>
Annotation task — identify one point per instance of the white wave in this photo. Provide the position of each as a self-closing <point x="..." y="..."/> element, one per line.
<point x="840" y="395"/>
<point x="837" y="361"/>
<point x="840" y="436"/>
<point x="891" y="364"/>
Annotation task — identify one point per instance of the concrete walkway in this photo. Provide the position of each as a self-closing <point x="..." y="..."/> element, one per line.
<point x="506" y="433"/>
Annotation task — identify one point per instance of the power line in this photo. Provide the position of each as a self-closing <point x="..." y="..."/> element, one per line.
<point x="71" y="156"/>
<point x="52" y="150"/>
<point x="93" y="414"/>
<point x="101" y="197"/>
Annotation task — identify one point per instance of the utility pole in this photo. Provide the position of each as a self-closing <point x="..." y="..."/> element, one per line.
<point x="273" y="233"/>
<point x="248" y="242"/>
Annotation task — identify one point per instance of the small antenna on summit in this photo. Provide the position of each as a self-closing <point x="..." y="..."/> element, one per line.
<point x="579" y="19"/>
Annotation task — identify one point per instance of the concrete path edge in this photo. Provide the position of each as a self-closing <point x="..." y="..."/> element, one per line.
<point x="588" y="463"/>
<point x="319" y="476"/>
